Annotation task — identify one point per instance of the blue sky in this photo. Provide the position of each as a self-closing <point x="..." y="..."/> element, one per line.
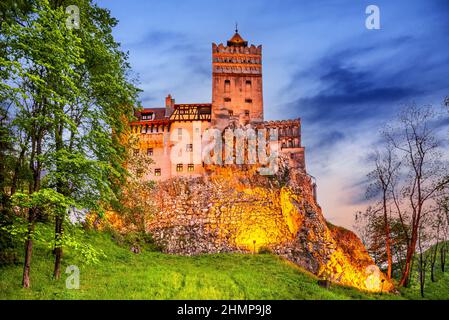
<point x="320" y="63"/>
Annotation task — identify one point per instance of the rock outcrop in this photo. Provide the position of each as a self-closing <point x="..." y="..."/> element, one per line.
<point x="237" y="210"/>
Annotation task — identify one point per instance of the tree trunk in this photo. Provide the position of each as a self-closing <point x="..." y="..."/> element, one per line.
<point x="422" y="269"/>
<point x="59" y="217"/>
<point x="15" y="176"/>
<point x="58" y="248"/>
<point x="432" y="263"/>
<point x="28" y="250"/>
<point x="408" y="262"/>
<point x="27" y="264"/>
<point x="387" y="238"/>
<point x="422" y="278"/>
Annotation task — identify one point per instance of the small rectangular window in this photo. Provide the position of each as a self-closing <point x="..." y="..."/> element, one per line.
<point x="149" y="151"/>
<point x="179" y="167"/>
<point x="248" y="100"/>
<point x="189" y="147"/>
<point x="157" y="172"/>
<point x="231" y="113"/>
<point x="227" y="99"/>
<point x="190" y="167"/>
<point x="247" y="113"/>
<point x="136" y="152"/>
<point x="248" y="86"/>
<point x="148" y="116"/>
<point x="227" y="86"/>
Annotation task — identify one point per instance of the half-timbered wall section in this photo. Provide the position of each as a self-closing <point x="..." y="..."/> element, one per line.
<point x="192" y="112"/>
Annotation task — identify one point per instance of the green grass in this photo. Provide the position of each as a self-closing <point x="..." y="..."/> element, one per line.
<point x="438" y="290"/>
<point x="154" y="275"/>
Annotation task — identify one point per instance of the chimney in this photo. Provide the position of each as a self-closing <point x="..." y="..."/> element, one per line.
<point x="169" y="105"/>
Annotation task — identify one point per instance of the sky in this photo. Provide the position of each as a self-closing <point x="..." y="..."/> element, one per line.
<point x="320" y="63"/>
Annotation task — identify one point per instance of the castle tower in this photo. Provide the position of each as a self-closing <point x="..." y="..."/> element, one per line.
<point x="236" y="82"/>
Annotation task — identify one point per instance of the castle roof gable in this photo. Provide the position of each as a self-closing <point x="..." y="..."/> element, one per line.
<point x="237" y="41"/>
<point x="158" y="113"/>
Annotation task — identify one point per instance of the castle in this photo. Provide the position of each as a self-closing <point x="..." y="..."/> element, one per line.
<point x="237" y="101"/>
<point x="230" y="208"/>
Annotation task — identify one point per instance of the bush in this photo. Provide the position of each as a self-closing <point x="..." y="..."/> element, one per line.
<point x="135" y="240"/>
<point x="265" y="250"/>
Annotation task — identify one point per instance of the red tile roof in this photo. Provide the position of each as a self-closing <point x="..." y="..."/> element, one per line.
<point x="159" y="113"/>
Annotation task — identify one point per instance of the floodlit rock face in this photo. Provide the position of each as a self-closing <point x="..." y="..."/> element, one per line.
<point x="238" y="210"/>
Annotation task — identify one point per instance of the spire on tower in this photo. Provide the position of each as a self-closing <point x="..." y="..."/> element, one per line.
<point x="237" y="40"/>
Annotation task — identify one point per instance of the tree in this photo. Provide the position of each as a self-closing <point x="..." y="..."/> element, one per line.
<point x="415" y="138"/>
<point x="102" y="108"/>
<point x="443" y="247"/>
<point x="382" y="179"/>
<point x="409" y="179"/>
<point x="39" y="60"/>
<point x="370" y="226"/>
<point x="136" y="198"/>
<point x="70" y="91"/>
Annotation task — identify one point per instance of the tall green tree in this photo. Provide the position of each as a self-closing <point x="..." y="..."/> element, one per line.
<point x="71" y="92"/>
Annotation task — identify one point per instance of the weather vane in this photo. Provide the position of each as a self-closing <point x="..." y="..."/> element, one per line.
<point x="236" y="27"/>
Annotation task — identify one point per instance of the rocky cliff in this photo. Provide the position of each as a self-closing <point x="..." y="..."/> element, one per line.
<point x="237" y="210"/>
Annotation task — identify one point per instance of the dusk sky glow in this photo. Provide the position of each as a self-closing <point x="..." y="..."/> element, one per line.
<point x="320" y="63"/>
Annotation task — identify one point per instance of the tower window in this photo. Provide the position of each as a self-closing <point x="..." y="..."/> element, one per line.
<point x="227" y="99"/>
<point x="136" y="152"/>
<point x="190" y="167"/>
<point x="149" y="151"/>
<point x="179" y="167"/>
<point x="157" y="172"/>
<point x="189" y="147"/>
<point x="227" y="86"/>
<point x="247" y="113"/>
<point x="248" y="100"/>
<point x="248" y="86"/>
<point x="231" y="113"/>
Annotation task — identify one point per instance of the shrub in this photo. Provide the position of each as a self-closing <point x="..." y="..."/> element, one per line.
<point x="265" y="250"/>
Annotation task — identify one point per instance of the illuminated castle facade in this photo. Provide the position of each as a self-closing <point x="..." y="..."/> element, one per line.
<point x="237" y="101"/>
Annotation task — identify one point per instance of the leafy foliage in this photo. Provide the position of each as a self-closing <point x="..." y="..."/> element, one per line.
<point x="66" y="96"/>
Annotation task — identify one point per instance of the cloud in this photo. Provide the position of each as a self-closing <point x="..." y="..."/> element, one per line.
<point x="328" y="139"/>
<point x="348" y="90"/>
<point x="161" y="37"/>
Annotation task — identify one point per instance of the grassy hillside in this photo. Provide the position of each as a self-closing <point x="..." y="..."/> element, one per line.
<point x="122" y="274"/>
<point x="154" y="275"/>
